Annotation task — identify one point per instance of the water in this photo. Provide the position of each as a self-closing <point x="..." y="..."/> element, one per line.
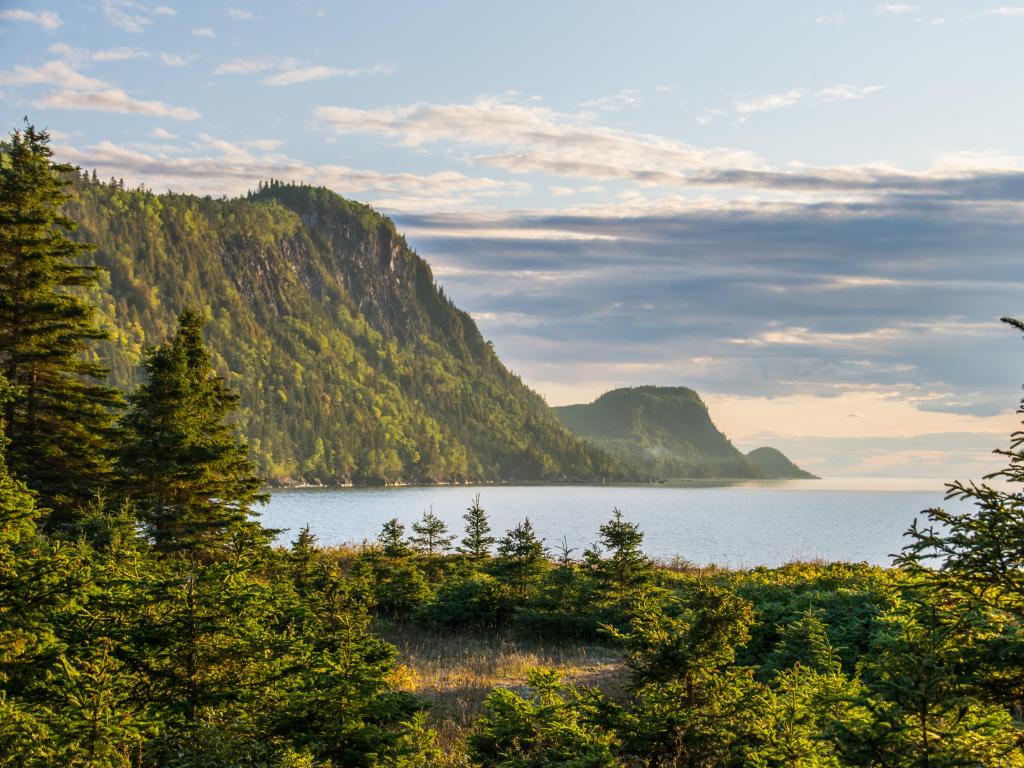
<point x="736" y="526"/>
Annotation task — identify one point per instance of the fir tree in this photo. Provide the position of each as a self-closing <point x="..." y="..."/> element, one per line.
<point x="626" y="567"/>
<point x="59" y="420"/>
<point x="392" y="539"/>
<point x="478" y="542"/>
<point x="431" y="535"/>
<point x="522" y="559"/>
<point x="191" y="478"/>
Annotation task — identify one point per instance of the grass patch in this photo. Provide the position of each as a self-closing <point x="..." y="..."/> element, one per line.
<point x="455" y="671"/>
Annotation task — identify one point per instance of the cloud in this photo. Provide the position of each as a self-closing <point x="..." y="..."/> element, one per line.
<point x="112" y="100"/>
<point x="531" y="138"/>
<point x="1005" y="10"/>
<point x="162" y="133"/>
<point x="51" y="73"/>
<point x="253" y="65"/>
<point x="78" y="55"/>
<point x="126" y="15"/>
<point x="305" y="74"/>
<point x="119" y="54"/>
<point x="290" y="71"/>
<point x="239" y="14"/>
<point x="203" y="32"/>
<point x="217" y="166"/>
<point x="80" y="92"/>
<point x="46" y="19"/>
<point x="898" y="8"/>
<point x="624" y="99"/>
<point x="768" y="102"/>
<point x="535" y="138"/>
<point x="841" y="92"/>
<point x="163" y="10"/>
<point x="176" y="60"/>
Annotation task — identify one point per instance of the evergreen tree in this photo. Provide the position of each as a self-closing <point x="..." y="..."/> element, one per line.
<point x="59" y="419"/>
<point x="431" y="535"/>
<point x="478" y="542"/>
<point x="522" y="559"/>
<point x="392" y="539"/>
<point x="190" y="477"/>
<point x="626" y="567"/>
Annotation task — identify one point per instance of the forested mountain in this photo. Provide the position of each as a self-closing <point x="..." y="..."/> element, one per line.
<point x="351" y="363"/>
<point x="773" y="463"/>
<point x="666" y="430"/>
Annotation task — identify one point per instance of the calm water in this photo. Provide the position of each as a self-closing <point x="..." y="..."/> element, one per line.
<point x="737" y="526"/>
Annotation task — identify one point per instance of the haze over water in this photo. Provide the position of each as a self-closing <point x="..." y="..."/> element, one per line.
<point x="743" y="525"/>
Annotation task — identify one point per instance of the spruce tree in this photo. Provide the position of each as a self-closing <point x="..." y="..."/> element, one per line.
<point x="189" y="475"/>
<point x="431" y="535"/>
<point x="478" y="540"/>
<point x="522" y="559"/>
<point x="59" y="419"/>
<point x="392" y="539"/>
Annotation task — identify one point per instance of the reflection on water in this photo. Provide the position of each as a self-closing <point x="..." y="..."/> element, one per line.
<point x="736" y="525"/>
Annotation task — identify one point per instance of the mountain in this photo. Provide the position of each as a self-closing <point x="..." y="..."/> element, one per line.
<point x="667" y="431"/>
<point x="773" y="463"/>
<point x="352" y="364"/>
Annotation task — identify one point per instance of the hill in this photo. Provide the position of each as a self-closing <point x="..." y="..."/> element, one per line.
<point x="773" y="463"/>
<point x="667" y="431"/>
<point x="352" y="364"/>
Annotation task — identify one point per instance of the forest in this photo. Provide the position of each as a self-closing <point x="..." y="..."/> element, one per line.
<point x="351" y="364"/>
<point x="148" y="619"/>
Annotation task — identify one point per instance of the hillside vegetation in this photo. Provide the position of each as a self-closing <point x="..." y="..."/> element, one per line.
<point x="668" y="431"/>
<point x="351" y="363"/>
<point x="156" y="626"/>
<point x="771" y="462"/>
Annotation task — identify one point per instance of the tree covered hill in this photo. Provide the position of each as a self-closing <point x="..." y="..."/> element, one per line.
<point x="773" y="463"/>
<point x="351" y="363"/>
<point x="667" y="430"/>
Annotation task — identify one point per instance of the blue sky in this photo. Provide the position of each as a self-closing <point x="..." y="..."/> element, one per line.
<point x="811" y="212"/>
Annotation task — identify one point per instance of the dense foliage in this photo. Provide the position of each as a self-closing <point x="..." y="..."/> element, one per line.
<point x="158" y="627"/>
<point x="669" y="433"/>
<point x="350" y="362"/>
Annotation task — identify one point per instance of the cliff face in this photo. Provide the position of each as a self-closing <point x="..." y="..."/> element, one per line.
<point x="351" y="363"/>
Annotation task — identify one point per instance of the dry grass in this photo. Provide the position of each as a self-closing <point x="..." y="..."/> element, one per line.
<point x="455" y="672"/>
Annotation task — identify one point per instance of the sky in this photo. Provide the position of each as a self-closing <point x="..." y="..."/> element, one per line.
<point x="810" y="212"/>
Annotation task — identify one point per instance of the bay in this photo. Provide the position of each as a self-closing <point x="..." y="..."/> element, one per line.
<point x="737" y="526"/>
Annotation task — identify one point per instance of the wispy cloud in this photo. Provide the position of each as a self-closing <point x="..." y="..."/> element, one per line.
<point x="1005" y="10"/>
<point x="217" y="166"/>
<point x="308" y="73"/>
<point x="46" y="19"/>
<point x="532" y="137"/>
<point x="253" y="65"/>
<point x="122" y="53"/>
<point x="204" y="32"/>
<point x="176" y="59"/>
<point x="291" y="71"/>
<point x="112" y="100"/>
<point x="81" y="92"/>
<point x="127" y="15"/>
<point x="774" y="101"/>
<point x="624" y="99"/>
<point x="841" y="92"/>
<point x="239" y="14"/>
<point x="768" y="102"/>
<point x="898" y="8"/>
